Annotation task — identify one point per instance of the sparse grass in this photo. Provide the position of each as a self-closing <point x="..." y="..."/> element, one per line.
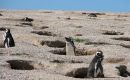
<point x="122" y="38"/>
<point x="79" y="40"/>
<point x="115" y="60"/>
<point x="85" y="52"/>
<point x="112" y="33"/>
<point x="96" y="43"/>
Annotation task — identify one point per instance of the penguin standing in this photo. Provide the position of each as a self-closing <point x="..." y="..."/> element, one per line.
<point x="8" y="39"/>
<point x="70" y="46"/>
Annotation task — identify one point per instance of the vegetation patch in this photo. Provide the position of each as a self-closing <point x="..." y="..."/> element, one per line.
<point x="96" y="43"/>
<point x="84" y="52"/>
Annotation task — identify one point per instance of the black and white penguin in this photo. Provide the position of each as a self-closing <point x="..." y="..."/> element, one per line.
<point x="8" y="39"/>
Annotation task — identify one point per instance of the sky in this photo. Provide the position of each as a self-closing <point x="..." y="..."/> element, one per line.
<point x="90" y="5"/>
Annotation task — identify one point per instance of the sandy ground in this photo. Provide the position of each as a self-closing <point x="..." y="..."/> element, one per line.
<point x="33" y="59"/>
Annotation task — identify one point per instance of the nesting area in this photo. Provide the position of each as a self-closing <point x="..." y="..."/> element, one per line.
<point x="40" y="45"/>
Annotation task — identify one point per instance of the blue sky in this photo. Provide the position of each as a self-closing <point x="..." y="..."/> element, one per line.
<point x="91" y="5"/>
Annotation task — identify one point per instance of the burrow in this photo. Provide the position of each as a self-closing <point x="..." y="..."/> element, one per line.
<point x="122" y="38"/>
<point x="20" y="64"/>
<point x="57" y="43"/>
<point x="2" y="29"/>
<point x="112" y="33"/>
<point x="46" y="33"/>
<point x="78" y="73"/>
<point x="78" y="52"/>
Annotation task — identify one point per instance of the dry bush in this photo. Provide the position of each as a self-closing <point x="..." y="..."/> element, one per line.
<point x="81" y="52"/>
<point x="122" y="38"/>
<point x="79" y="40"/>
<point x="115" y="60"/>
<point x="78" y="35"/>
<point x="57" y="43"/>
<point x="112" y="33"/>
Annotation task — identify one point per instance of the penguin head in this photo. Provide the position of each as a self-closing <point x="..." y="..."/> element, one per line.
<point x="7" y="30"/>
<point x="99" y="54"/>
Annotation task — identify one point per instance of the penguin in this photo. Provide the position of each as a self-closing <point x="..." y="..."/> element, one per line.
<point x="8" y="39"/>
